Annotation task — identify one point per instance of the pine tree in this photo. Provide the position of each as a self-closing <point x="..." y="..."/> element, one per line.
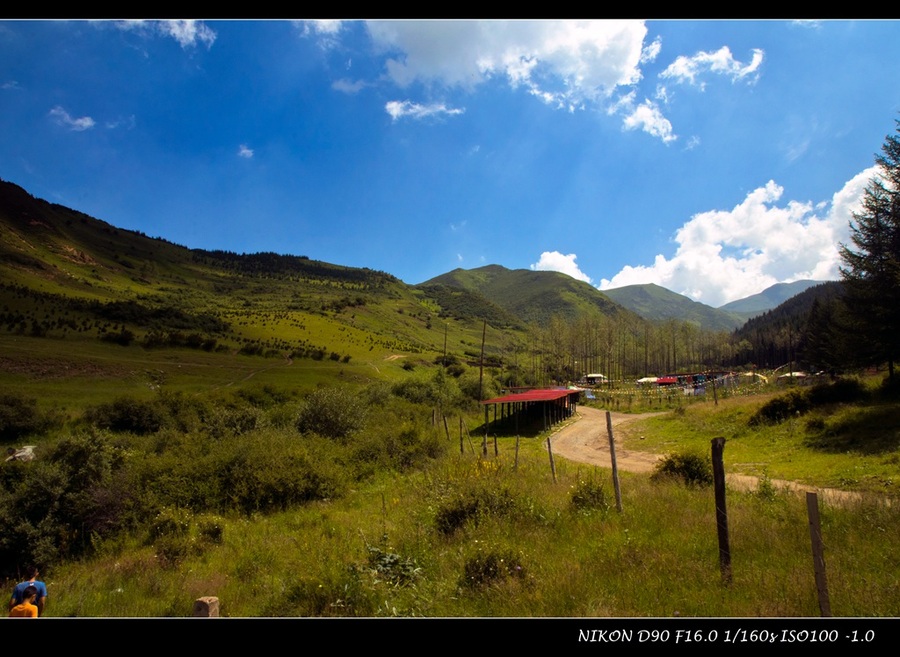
<point x="871" y="270"/>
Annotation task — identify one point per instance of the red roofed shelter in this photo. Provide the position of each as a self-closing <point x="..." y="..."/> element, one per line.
<point x="555" y="404"/>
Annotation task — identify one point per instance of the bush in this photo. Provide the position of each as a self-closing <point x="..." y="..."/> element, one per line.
<point x="256" y="481"/>
<point x="781" y="408"/>
<point x="588" y="495"/>
<point x="492" y="567"/>
<point x="454" y="513"/>
<point x="391" y="567"/>
<point x="798" y="402"/>
<point x="19" y="416"/>
<point x="333" y="412"/>
<point x="690" y="467"/>
<point x="127" y="414"/>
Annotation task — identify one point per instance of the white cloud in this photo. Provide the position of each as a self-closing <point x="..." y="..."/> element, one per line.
<point x="245" y="152"/>
<point x="724" y="255"/>
<point x="687" y="69"/>
<point x="348" y="86"/>
<point x="187" y="32"/>
<point x="568" y="61"/>
<point x="322" y="26"/>
<point x="10" y="84"/>
<point x="648" y="117"/>
<point x="63" y="118"/>
<point x="651" y="51"/>
<point x="327" y="31"/>
<point x="556" y="261"/>
<point x="401" y="109"/>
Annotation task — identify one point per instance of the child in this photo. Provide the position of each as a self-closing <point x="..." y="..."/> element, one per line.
<point x="26" y="609"/>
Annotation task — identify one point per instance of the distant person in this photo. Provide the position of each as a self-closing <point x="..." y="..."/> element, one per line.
<point x="27" y="608"/>
<point x="18" y="594"/>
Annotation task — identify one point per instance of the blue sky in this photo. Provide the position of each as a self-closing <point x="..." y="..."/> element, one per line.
<point x="714" y="158"/>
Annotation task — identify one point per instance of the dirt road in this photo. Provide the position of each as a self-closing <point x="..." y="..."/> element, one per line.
<point x="586" y="441"/>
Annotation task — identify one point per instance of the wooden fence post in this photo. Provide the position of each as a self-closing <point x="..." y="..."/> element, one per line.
<point x="718" y="447"/>
<point x="484" y="441"/>
<point x="552" y="466"/>
<point x="612" y="455"/>
<point x="818" y="552"/>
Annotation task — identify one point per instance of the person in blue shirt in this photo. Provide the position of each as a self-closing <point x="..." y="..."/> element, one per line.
<point x="18" y="592"/>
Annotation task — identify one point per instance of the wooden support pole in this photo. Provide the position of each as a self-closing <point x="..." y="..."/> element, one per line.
<point x="718" y="447"/>
<point x="552" y="466"/>
<point x="446" y="428"/>
<point x="818" y="552"/>
<point x="516" y="463"/>
<point x="484" y="442"/>
<point x="612" y="455"/>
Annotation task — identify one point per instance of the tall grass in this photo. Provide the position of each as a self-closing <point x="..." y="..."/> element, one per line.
<point x="525" y="551"/>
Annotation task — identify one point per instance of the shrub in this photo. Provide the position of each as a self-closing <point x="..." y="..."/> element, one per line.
<point x="333" y="412"/>
<point x="690" y="467"/>
<point x="391" y="567"/>
<point x="588" y="495"/>
<point x="780" y="408"/>
<point x="127" y="414"/>
<point x="797" y="402"/>
<point x="454" y="513"/>
<point x="170" y="522"/>
<point x="255" y="481"/>
<point x="211" y="529"/>
<point x="492" y="567"/>
<point x="19" y="416"/>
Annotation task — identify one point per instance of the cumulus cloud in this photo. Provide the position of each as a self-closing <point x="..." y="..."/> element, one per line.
<point x="187" y="32"/>
<point x="722" y="62"/>
<point x="648" y="117"/>
<point x="556" y="261"/>
<point x="63" y="118"/>
<point x="563" y="61"/>
<point x="406" y="108"/>
<point x="245" y="152"/>
<point x="724" y="255"/>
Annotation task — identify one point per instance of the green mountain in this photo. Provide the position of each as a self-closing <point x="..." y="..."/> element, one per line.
<point x="67" y="276"/>
<point x="656" y="303"/>
<point x="782" y="334"/>
<point x="530" y="296"/>
<point x="768" y="299"/>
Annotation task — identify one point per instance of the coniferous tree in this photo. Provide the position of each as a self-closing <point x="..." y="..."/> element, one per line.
<point x="871" y="269"/>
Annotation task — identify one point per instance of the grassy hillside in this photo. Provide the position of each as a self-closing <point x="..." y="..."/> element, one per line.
<point x="532" y="296"/>
<point x="460" y="535"/>
<point x="659" y="304"/>
<point x="768" y="299"/>
<point x="112" y="296"/>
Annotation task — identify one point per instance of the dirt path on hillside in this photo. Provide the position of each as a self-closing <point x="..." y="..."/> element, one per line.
<point x="586" y="441"/>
